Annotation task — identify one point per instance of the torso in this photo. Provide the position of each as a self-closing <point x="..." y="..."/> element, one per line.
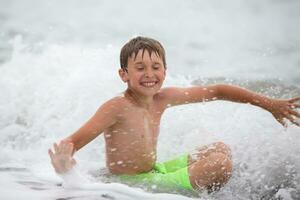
<point x="131" y="142"/>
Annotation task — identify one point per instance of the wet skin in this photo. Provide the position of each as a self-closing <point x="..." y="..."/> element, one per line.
<point x="130" y="123"/>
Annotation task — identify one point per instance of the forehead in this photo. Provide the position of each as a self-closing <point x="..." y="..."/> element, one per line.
<point x="144" y="55"/>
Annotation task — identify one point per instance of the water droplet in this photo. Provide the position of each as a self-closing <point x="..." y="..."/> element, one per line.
<point x="113" y="149"/>
<point x="119" y="162"/>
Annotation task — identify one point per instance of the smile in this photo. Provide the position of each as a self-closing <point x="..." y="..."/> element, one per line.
<point x="149" y="84"/>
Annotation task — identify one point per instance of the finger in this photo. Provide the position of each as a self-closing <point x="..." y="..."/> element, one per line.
<point x="73" y="150"/>
<point x="69" y="148"/>
<point x="295" y="113"/>
<point x="289" y="117"/>
<point x="50" y="154"/>
<point x="73" y="161"/>
<point x="294" y="99"/>
<point x="63" y="146"/>
<point x="56" y="149"/>
<point x="296" y="123"/>
<point x="282" y="122"/>
<point x="295" y="105"/>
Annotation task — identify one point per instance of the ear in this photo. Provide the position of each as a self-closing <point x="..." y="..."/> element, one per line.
<point x="124" y="75"/>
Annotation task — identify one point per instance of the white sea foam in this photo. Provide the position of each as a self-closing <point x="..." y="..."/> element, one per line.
<point x="52" y="81"/>
<point x="49" y="95"/>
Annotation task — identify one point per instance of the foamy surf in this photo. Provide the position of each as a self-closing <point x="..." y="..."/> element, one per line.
<point x="58" y="67"/>
<point x="48" y="95"/>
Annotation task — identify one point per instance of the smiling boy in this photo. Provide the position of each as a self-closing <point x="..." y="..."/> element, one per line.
<point x="130" y="124"/>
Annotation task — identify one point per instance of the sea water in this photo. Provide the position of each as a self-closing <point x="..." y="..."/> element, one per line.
<point x="59" y="63"/>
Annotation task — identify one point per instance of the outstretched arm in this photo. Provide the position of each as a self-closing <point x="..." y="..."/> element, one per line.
<point x="62" y="155"/>
<point x="280" y="109"/>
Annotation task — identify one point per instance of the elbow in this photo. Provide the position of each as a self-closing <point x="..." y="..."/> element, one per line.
<point x="225" y="91"/>
<point x="219" y="91"/>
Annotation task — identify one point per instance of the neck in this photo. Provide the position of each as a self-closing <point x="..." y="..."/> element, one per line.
<point x="142" y="101"/>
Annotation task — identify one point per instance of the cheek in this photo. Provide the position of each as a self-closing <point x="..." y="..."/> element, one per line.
<point x="162" y="75"/>
<point x="135" y="78"/>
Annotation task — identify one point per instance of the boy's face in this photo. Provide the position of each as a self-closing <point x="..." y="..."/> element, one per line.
<point x="145" y="74"/>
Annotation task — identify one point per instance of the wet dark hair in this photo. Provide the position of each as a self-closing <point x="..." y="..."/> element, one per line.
<point x="138" y="43"/>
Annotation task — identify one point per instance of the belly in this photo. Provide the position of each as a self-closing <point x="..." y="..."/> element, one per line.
<point x="131" y="162"/>
<point x="130" y="152"/>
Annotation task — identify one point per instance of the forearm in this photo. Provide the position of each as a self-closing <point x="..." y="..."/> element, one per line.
<point x="241" y="95"/>
<point x="88" y="132"/>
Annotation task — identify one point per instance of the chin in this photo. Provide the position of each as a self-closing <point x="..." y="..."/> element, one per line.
<point x="148" y="91"/>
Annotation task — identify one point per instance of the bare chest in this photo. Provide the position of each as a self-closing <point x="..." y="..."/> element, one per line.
<point x="136" y="127"/>
<point x="132" y="141"/>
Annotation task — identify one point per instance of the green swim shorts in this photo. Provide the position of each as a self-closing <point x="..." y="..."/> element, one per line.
<point x="173" y="173"/>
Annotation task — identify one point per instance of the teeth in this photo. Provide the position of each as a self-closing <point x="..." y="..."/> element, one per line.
<point x="148" y="84"/>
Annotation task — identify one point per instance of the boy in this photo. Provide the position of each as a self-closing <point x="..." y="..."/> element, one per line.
<point x="130" y="124"/>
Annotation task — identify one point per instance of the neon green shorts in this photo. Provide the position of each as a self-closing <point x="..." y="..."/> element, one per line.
<point x="173" y="173"/>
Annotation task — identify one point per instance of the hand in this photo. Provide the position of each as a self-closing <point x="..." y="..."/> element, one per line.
<point x="281" y="109"/>
<point x="61" y="158"/>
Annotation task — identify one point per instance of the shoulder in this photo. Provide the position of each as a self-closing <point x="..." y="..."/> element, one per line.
<point x="168" y="95"/>
<point x="169" y="92"/>
<point x="115" y="103"/>
<point x="110" y="110"/>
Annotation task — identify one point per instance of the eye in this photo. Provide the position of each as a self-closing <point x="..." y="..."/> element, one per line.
<point x="156" y="66"/>
<point x="139" y="68"/>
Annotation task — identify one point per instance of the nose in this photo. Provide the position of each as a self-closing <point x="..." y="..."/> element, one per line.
<point x="149" y="72"/>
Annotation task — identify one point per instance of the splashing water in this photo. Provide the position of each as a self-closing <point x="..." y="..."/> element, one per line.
<point x="46" y="96"/>
<point x="49" y="88"/>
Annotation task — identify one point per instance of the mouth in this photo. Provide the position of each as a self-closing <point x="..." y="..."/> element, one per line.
<point x="149" y="84"/>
